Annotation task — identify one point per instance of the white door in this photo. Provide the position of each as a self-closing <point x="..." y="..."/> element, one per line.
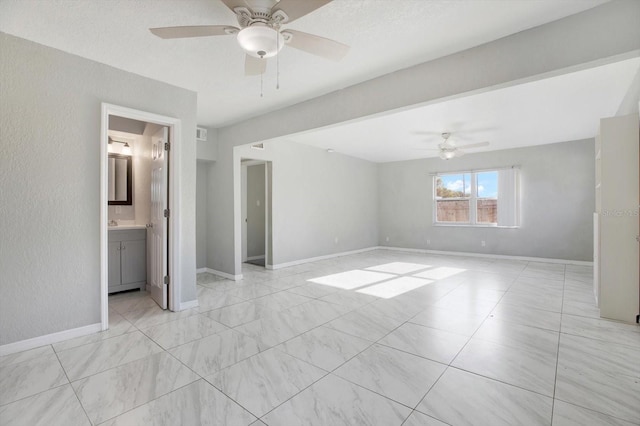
<point x="157" y="231"/>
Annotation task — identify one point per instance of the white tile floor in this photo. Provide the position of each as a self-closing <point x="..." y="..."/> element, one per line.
<point x="380" y="338"/>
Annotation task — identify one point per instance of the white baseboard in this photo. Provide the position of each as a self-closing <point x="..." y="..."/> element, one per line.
<point x="224" y="274"/>
<point x="201" y="270"/>
<point x="255" y="257"/>
<point x="49" y="339"/>
<point x="491" y="256"/>
<point x="317" y="258"/>
<point x="189" y="305"/>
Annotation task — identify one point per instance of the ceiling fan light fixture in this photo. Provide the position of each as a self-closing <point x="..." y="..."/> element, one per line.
<point x="447" y="155"/>
<point x="260" y="41"/>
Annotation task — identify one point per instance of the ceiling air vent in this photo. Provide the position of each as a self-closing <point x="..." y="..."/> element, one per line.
<point x="201" y="134"/>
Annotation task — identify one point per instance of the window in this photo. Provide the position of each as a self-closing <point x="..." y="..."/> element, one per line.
<point x="486" y="198"/>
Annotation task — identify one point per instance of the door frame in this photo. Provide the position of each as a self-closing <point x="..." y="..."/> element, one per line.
<point x="244" y="188"/>
<point x="244" y="152"/>
<point x="174" y="237"/>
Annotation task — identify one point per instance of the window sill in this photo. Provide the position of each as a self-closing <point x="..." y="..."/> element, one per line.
<point x="467" y="225"/>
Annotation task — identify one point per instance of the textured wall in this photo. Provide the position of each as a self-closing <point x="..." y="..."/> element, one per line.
<point x="558" y="200"/>
<point x="317" y="197"/>
<point x="50" y="112"/>
<point x="202" y="189"/>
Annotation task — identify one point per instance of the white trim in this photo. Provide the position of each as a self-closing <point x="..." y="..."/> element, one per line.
<point x="48" y="339"/>
<point x="189" y="305"/>
<point x="201" y="270"/>
<point x="175" y="237"/>
<point x="255" y="257"/>
<point x="491" y="256"/>
<point x="224" y="274"/>
<point x="317" y="258"/>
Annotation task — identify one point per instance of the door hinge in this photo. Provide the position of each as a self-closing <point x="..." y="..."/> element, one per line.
<point x="166" y="212"/>
<point x="167" y="279"/>
<point x="167" y="146"/>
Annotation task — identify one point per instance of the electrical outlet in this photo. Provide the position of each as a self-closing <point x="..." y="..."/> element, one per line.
<point x="387" y="239"/>
<point x="118" y="209"/>
<point x="482" y="243"/>
<point x="335" y="240"/>
<point x="258" y="203"/>
<point x="428" y="241"/>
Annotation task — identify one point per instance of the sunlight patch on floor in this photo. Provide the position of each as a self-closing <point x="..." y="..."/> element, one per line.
<point x="399" y="267"/>
<point x="393" y="288"/>
<point x="351" y="279"/>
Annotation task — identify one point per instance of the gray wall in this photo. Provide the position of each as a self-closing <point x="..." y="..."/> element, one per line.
<point x="50" y="112"/>
<point x="202" y="189"/>
<point x="255" y="210"/>
<point x="318" y="197"/>
<point x="557" y="201"/>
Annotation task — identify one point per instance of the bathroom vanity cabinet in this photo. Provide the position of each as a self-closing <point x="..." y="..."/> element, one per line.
<point x="127" y="259"/>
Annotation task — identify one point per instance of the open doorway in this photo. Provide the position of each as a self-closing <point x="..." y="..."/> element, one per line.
<point x="254" y="212"/>
<point x="138" y="230"/>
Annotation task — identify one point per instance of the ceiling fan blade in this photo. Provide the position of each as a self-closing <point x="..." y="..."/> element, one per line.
<point x="295" y="9"/>
<point x="254" y="66"/>
<point x="194" y="31"/>
<point x="474" y="145"/>
<point x="232" y="4"/>
<point x="459" y="153"/>
<point x="316" y="45"/>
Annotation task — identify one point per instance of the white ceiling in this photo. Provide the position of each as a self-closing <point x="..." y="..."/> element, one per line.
<point x="384" y="35"/>
<point x="557" y="109"/>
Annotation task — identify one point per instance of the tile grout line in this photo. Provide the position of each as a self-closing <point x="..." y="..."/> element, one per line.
<point x="72" y="388"/>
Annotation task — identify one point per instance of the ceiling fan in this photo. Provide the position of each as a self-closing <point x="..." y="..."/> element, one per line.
<point x="448" y="149"/>
<point x="260" y="34"/>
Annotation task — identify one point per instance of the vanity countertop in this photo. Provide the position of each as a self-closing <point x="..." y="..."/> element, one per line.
<point x="125" y="227"/>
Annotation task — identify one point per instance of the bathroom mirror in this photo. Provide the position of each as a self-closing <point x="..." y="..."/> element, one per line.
<point x="120" y="180"/>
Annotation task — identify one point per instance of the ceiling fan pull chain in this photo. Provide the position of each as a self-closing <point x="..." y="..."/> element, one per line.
<point x="277" y="59"/>
<point x="261" y="76"/>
